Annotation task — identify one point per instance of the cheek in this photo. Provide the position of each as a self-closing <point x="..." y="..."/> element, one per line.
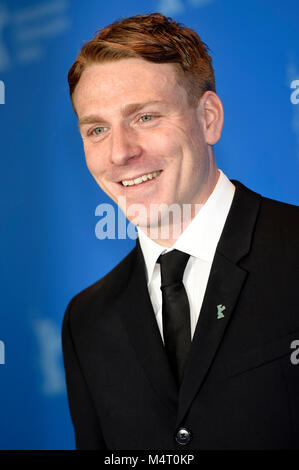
<point x="165" y="145"/>
<point x="94" y="162"/>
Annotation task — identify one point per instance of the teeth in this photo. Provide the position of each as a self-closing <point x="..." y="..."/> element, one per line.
<point x="142" y="178"/>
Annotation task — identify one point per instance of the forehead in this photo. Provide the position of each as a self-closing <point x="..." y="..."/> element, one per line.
<point x="114" y="84"/>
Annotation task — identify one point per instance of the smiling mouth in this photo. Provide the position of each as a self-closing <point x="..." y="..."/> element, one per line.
<point x="141" y="179"/>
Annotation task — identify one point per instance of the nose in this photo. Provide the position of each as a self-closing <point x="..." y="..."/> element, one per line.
<point x="124" y="146"/>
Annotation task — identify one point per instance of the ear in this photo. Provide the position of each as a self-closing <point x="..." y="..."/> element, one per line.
<point x="212" y="116"/>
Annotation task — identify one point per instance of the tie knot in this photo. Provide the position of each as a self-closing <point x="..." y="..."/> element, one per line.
<point x="172" y="265"/>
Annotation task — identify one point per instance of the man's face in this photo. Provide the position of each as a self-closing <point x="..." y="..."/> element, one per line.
<point x="142" y="139"/>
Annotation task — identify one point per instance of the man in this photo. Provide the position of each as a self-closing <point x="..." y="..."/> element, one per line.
<point x="187" y="343"/>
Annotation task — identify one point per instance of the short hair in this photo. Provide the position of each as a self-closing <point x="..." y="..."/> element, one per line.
<point x="154" y="38"/>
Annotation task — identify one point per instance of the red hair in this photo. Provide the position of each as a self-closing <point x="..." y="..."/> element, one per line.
<point x="154" y="38"/>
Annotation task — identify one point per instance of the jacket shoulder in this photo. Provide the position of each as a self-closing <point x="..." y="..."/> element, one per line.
<point x="280" y="221"/>
<point x="275" y="218"/>
<point x="105" y="289"/>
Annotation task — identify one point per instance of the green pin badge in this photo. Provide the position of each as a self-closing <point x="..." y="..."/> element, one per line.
<point x="220" y="309"/>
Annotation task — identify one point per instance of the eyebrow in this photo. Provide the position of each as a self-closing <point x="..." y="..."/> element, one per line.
<point x="126" y="111"/>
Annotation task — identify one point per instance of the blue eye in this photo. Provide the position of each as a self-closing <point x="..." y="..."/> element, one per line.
<point x="146" y="116"/>
<point x="97" y="128"/>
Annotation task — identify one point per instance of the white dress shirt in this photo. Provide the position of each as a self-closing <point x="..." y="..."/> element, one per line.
<point x="199" y="240"/>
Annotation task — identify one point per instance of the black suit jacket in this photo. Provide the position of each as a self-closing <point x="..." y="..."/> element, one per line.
<point x="240" y="388"/>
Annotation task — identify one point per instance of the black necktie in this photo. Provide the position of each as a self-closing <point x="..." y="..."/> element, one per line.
<point x="175" y="310"/>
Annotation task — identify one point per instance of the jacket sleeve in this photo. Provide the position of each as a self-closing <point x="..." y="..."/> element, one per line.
<point x="86" y="424"/>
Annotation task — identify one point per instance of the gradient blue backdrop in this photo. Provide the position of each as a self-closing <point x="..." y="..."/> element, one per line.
<point x="49" y="250"/>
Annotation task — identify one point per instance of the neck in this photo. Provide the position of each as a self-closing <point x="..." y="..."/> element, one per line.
<point x="166" y="234"/>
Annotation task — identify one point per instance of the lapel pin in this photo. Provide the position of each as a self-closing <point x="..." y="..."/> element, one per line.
<point x="220" y="309"/>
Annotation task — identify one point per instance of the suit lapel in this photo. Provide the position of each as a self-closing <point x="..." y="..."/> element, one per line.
<point x="139" y="319"/>
<point x="224" y="286"/>
<point x="223" y="289"/>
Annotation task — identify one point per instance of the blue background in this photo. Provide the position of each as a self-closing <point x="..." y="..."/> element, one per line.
<point x="49" y="250"/>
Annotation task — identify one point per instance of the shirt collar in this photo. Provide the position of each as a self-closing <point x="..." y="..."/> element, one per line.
<point x="201" y="236"/>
